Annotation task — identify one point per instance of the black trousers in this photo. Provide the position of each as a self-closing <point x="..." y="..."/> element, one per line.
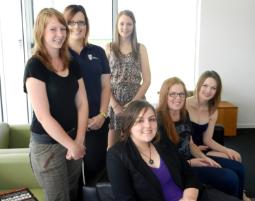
<point x="95" y="158"/>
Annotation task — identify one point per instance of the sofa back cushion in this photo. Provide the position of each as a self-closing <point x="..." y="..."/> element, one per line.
<point x="19" y="136"/>
<point x="4" y="135"/>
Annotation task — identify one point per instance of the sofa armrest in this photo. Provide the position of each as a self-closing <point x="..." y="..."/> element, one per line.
<point x="100" y="192"/>
<point x="4" y="135"/>
<point x="89" y="193"/>
<point x="218" y="134"/>
<point x="104" y="192"/>
<point x="16" y="172"/>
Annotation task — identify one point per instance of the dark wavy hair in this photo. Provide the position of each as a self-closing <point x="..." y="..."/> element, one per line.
<point x="130" y="115"/>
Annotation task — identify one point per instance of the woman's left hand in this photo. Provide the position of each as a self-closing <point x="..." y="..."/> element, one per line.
<point x="96" y="122"/>
<point x="76" y="151"/>
<point x="234" y="155"/>
<point x="212" y="162"/>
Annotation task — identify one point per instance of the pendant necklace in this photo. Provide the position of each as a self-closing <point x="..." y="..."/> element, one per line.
<point x="151" y="161"/>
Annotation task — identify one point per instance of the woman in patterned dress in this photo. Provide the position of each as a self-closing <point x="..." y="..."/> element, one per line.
<point x="130" y="71"/>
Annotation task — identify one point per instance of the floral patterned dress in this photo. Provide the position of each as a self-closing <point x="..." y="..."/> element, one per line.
<point x="126" y="77"/>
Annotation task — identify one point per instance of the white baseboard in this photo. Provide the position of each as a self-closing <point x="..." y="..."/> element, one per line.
<point x="247" y="125"/>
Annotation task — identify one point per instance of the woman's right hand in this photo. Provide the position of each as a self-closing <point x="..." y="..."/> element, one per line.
<point x="203" y="147"/>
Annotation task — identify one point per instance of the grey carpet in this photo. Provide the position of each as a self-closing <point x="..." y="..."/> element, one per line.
<point x="244" y="143"/>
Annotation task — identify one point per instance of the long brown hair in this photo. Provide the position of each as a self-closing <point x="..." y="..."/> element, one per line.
<point x="40" y="50"/>
<point x="70" y="11"/>
<point x="130" y="115"/>
<point x="214" y="102"/>
<point x="115" y="46"/>
<point x="163" y="110"/>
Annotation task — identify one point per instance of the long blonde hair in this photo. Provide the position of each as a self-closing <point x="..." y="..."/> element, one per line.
<point x="40" y="50"/>
<point x="115" y="45"/>
<point x="163" y="110"/>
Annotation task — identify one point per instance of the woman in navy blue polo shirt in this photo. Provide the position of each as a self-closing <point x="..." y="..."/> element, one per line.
<point x="96" y="73"/>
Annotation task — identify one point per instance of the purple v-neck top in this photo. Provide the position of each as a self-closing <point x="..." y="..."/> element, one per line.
<point x="171" y="191"/>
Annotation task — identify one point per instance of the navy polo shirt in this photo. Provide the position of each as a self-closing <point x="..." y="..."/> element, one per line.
<point x="93" y="63"/>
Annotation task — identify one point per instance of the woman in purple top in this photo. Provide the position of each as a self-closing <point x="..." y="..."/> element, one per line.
<point x="141" y="168"/>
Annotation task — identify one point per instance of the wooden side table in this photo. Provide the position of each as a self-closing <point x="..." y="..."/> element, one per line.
<point x="228" y="117"/>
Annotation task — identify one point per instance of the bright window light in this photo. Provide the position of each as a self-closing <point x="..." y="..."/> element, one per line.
<point x="168" y="31"/>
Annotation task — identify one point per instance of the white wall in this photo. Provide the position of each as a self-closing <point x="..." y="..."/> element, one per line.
<point x="227" y="45"/>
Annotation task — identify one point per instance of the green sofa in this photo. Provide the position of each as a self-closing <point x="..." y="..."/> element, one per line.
<point x="15" y="169"/>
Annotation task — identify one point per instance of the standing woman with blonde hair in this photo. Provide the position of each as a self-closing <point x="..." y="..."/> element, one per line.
<point x="130" y="70"/>
<point x="55" y="88"/>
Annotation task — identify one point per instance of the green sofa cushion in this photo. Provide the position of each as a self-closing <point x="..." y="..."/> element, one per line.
<point x="15" y="169"/>
<point x="4" y="135"/>
<point x="16" y="172"/>
<point x="38" y="193"/>
<point x="19" y="136"/>
<point x="13" y="150"/>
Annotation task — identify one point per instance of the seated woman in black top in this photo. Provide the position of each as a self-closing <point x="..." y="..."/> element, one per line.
<point x="175" y="127"/>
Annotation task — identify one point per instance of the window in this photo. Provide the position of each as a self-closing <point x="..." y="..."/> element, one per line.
<point x="13" y="99"/>
<point x="168" y="30"/>
<point x="100" y="17"/>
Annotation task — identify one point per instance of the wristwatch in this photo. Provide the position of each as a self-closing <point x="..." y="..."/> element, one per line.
<point x="103" y="114"/>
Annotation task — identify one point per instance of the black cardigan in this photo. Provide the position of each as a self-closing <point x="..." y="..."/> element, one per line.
<point x="132" y="179"/>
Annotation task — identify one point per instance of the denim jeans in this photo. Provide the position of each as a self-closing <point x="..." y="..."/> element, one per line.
<point x="56" y="175"/>
<point x="229" y="178"/>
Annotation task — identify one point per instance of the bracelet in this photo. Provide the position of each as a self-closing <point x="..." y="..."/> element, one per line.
<point x="103" y="114"/>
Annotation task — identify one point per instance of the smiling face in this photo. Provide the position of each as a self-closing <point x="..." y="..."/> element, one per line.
<point x="125" y="26"/>
<point x="176" y="97"/>
<point x="77" y="27"/>
<point x="54" y="34"/>
<point x="208" y="89"/>
<point x="145" y="127"/>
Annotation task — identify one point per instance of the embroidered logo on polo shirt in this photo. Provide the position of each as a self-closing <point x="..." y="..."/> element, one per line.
<point x="91" y="57"/>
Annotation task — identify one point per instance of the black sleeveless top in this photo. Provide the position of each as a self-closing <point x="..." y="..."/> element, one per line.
<point x="198" y="132"/>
